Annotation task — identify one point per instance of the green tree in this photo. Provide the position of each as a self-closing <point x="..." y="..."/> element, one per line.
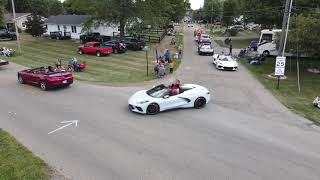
<point x="304" y="36"/>
<point x="212" y="10"/>
<point x="35" y="25"/>
<point x="56" y="7"/>
<point x="2" y="11"/>
<point x="230" y="11"/>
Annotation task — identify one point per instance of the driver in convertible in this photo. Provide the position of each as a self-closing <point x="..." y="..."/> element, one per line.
<point x="175" y="88"/>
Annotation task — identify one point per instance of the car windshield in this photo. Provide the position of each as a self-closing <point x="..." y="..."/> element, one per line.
<point x="205" y="37"/>
<point x="206" y="47"/>
<point x="224" y="59"/>
<point x="158" y="91"/>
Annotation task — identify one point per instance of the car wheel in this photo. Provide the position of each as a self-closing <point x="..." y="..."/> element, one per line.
<point x="116" y="51"/>
<point x="43" y="85"/>
<point x="153" y="109"/>
<point x="80" y="51"/>
<point x="266" y="53"/>
<point x="20" y="79"/>
<point x="98" y="54"/>
<point x="200" y="103"/>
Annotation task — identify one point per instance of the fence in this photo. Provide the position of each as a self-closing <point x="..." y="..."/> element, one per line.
<point x="147" y="36"/>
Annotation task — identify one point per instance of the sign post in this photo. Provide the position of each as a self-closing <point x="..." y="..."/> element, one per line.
<point x="146" y="49"/>
<point x="280" y="68"/>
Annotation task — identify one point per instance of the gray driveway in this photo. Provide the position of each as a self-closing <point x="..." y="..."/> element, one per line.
<point x="243" y="134"/>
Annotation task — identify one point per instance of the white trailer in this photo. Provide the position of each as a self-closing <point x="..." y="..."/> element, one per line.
<point x="267" y="42"/>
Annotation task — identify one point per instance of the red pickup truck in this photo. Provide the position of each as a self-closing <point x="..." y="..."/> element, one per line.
<point x="94" y="48"/>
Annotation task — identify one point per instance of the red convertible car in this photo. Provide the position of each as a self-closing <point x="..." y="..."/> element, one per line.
<point x="3" y="62"/>
<point x="46" y="78"/>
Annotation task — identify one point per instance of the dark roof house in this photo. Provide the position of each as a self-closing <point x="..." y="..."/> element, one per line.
<point x="67" y="19"/>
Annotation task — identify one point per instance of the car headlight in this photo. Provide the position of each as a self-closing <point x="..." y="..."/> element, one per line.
<point x="142" y="102"/>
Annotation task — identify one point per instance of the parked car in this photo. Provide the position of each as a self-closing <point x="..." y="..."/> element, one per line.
<point x="252" y="26"/>
<point x="204" y="38"/>
<point x="205" y="49"/>
<point x="133" y="43"/>
<point x="117" y="46"/>
<point x="5" y="34"/>
<point x="158" y="99"/>
<point x="95" y="48"/>
<point x="237" y="27"/>
<point x="59" y="35"/>
<point x="225" y="62"/>
<point x="3" y="62"/>
<point x="93" y="37"/>
<point x="45" y="78"/>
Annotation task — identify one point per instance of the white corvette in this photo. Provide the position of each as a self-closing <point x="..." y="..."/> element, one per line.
<point x="225" y="62"/>
<point x="158" y="99"/>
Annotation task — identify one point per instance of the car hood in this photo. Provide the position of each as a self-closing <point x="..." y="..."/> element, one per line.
<point x="228" y="63"/>
<point x="139" y="96"/>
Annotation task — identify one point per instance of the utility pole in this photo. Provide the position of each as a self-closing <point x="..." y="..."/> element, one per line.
<point x="15" y="25"/>
<point x="284" y="32"/>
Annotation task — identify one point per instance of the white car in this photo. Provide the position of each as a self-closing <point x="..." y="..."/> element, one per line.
<point x="205" y="49"/>
<point x="158" y="99"/>
<point x="190" y="25"/>
<point x="204" y="38"/>
<point x="225" y="62"/>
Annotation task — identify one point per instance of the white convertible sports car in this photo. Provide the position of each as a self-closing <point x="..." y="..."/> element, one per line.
<point x="158" y="99"/>
<point x="225" y="62"/>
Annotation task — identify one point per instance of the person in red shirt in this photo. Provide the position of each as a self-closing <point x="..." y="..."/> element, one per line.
<point x="175" y="88"/>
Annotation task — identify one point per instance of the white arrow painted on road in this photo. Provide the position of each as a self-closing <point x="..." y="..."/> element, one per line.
<point x="68" y="123"/>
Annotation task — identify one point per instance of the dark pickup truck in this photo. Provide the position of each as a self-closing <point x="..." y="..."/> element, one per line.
<point x="133" y="43"/>
<point x="5" y="34"/>
<point x="59" y="35"/>
<point x="93" y="37"/>
<point x="3" y="62"/>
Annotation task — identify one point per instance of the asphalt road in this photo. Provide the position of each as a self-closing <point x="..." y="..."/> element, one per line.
<point x="244" y="133"/>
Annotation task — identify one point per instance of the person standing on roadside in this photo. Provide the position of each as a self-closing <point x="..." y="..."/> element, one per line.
<point x="230" y="48"/>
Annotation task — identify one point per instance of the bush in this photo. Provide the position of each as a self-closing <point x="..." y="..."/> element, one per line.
<point x="233" y="32"/>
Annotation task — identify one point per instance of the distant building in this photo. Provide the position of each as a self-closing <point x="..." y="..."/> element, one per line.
<point x="21" y="19"/>
<point x="74" y="25"/>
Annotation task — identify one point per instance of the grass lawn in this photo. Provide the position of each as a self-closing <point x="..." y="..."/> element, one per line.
<point x="237" y="43"/>
<point x="129" y="67"/>
<point x="288" y="94"/>
<point x="16" y="162"/>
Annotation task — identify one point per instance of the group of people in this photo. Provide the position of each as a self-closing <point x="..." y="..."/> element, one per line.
<point x="6" y="52"/>
<point x="162" y="64"/>
<point x="73" y="65"/>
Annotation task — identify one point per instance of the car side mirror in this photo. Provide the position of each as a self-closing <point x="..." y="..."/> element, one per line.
<point x="166" y="97"/>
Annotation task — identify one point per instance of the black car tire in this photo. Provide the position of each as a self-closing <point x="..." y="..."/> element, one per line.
<point x="266" y="53"/>
<point x="14" y="38"/>
<point x="43" y="85"/>
<point x="98" y="54"/>
<point x="116" y="51"/>
<point x="20" y="79"/>
<point x="153" y="109"/>
<point x="200" y="103"/>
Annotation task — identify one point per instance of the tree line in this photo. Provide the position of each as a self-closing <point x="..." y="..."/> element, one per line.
<point x="129" y="14"/>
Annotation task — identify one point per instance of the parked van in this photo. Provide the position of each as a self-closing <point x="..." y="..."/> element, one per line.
<point x="267" y="42"/>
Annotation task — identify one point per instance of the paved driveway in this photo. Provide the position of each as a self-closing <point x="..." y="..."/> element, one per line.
<point x="243" y="134"/>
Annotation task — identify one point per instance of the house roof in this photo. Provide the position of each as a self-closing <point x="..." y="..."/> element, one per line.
<point x="9" y="16"/>
<point x="67" y="19"/>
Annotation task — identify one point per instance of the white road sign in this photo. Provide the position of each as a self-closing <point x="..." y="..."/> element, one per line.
<point x="280" y="66"/>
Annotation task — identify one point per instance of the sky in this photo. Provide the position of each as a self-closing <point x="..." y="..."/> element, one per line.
<point x="195" y="4"/>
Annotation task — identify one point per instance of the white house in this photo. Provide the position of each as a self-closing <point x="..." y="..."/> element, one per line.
<point x="21" y="19"/>
<point x="73" y="24"/>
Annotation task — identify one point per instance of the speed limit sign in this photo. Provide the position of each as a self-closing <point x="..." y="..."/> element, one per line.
<point x="280" y="66"/>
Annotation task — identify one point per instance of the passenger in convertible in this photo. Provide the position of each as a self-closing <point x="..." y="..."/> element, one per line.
<point x="175" y="88"/>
